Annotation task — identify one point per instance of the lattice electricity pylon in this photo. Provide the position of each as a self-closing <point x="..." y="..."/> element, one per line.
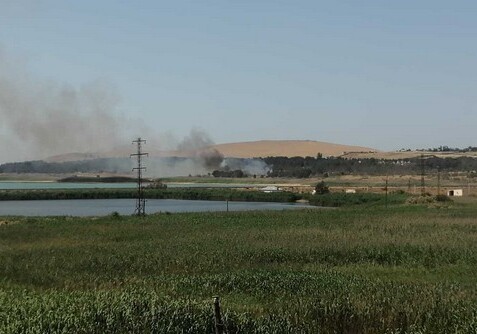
<point x="140" y="201"/>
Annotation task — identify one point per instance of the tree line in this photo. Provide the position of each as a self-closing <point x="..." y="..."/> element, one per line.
<point x="294" y="167"/>
<point x="304" y="167"/>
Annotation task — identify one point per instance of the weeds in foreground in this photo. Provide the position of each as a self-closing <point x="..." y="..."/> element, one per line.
<point x="360" y="270"/>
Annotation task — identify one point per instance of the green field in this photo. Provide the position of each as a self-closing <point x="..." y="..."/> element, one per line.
<point x="406" y="269"/>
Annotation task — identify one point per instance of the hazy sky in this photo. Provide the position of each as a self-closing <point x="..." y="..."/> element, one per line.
<point x="383" y="74"/>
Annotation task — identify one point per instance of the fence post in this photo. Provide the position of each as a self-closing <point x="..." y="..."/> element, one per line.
<point x="219" y="326"/>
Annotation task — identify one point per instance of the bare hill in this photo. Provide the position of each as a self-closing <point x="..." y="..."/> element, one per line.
<point x="287" y="148"/>
<point x="252" y="149"/>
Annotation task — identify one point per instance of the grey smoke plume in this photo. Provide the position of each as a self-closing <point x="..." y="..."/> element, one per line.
<point x="167" y="167"/>
<point x="39" y="119"/>
<point x="43" y="118"/>
<point x="205" y="158"/>
<point x="210" y="158"/>
<point x="197" y="139"/>
<point x="248" y="166"/>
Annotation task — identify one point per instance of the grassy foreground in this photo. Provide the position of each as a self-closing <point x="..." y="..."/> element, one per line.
<point x="402" y="270"/>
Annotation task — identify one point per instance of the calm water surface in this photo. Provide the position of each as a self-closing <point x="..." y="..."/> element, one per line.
<point x="18" y="185"/>
<point x="101" y="207"/>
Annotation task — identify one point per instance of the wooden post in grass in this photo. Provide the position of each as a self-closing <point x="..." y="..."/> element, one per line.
<point x="438" y="181"/>
<point x="219" y="326"/>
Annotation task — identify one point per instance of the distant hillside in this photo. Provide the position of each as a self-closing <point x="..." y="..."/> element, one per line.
<point x="287" y="148"/>
<point x="251" y="149"/>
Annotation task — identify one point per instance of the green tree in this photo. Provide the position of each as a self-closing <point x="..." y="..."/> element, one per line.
<point x="321" y="188"/>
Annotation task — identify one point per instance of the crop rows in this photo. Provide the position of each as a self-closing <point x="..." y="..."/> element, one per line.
<point x="401" y="270"/>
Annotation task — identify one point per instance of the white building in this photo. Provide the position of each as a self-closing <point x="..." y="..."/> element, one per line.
<point x="270" y="189"/>
<point x="455" y="192"/>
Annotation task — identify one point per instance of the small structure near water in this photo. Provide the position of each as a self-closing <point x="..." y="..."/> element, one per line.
<point x="455" y="192"/>
<point x="270" y="189"/>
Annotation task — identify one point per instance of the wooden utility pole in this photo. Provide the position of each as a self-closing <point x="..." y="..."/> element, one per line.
<point x="423" y="173"/>
<point x="438" y="181"/>
<point x="219" y="325"/>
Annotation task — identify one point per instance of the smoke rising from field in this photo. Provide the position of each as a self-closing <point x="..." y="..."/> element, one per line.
<point x="40" y="119"/>
<point x="44" y="118"/>
<point x="248" y="166"/>
<point x="170" y="166"/>
<point x="204" y="157"/>
<point x="197" y="139"/>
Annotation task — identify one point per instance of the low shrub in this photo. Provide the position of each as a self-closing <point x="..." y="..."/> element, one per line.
<point x="343" y="199"/>
<point x="443" y="198"/>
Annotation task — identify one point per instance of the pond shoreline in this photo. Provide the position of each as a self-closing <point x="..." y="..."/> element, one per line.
<point x="104" y="207"/>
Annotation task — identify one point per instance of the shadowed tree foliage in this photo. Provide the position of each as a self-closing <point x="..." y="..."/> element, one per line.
<point x="321" y="188"/>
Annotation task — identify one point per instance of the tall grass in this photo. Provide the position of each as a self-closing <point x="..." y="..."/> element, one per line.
<point x="359" y="270"/>
<point x="185" y="193"/>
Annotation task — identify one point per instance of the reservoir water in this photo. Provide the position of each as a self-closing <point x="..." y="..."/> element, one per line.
<point x="20" y="185"/>
<point x="102" y="207"/>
